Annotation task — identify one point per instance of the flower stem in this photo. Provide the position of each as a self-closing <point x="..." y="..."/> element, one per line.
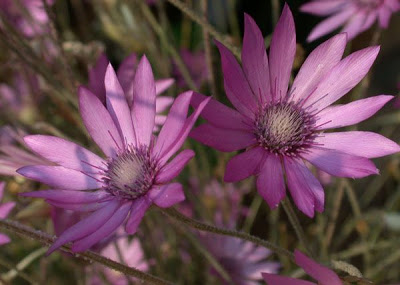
<point x="173" y="213"/>
<point x="90" y="256"/>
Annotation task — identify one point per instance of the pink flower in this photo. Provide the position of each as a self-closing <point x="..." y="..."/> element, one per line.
<point x="126" y="74"/>
<point x="355" y="15"/>
<point x="279" y="129"/>
<point x="5" y="209"/>
<point x="136" y="173"/>
<point x="322" y="274"/>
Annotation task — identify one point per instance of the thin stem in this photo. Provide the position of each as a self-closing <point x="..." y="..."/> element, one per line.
<point x="21" y="274"/>
<point x="173" y="213"/>
<point x="206" y="26"/>
<point x="296" y="225"/>
<point x="88" y="255"/>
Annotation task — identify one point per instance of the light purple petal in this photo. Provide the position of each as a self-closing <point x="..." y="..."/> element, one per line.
<point x="65" y="196"/>
<point x="343" y="77"/>
<point x="4" y="239"/>
<point x="323" y="8"/>
<point x="118" y="107"/>
<point x="255" y="60"/>
<point x="96" y="78"/>
<point x="65" y="153"/>
<point x="2" y="185"/>
<point x="253" y="270"/>
<point x="125" y="74"/>
<point x="144" y="102"/>
<point x="99" y="123"/>
<point x="79" y="207"/>
<point x="226" y="140"/>
<point x="282" y="53"/>
<point x="364" y="144"/>
<point x="340" y="164"/>
<point x="167" y="195"/>
<point x="162" y="103"/>
<point x="320" y="61"/>
<point x="138" y="209"/>
<point x="60" y="177"/>
<point x="356" y="25"/>
<point x="270" y="182"/>
<point x="338" y="116"/>
<point x="244" y="165"/>
<point x="320" y="273"/>
<point x="273" y="279"/>
<point x="163" y="84"/>
<point x="173" y="168"/>
<point x="5" y="209"/>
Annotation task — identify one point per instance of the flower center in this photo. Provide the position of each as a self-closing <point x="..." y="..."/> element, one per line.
<point x="130" y="174"/>
<point x="284" y="128"/>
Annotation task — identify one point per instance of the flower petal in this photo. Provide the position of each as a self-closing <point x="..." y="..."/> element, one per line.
<point x="167" y="195"/>
<point x="358" y="23"/>
<point x="244" y="165"/>
<point x="78" y="207"/>
<point x="173" y="168"/>
<point x="138" y="209"/>
<point x="65" y="196"/>
<point x="273" y="279"/>
<point x="270" y="182"/>
<point x="162" y="103"/>
<point x="125" y="74"/>
<point x="4" y="239"/>
<point x="96" y="78"/>
<point x="163" y="84"/>
<point x="60" y="177"/>
<point x="5" y="209"/>
<point x="323" y="8"/>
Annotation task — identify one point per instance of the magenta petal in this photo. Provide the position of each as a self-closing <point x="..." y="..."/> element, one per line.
<point x="96" y="78"/>
<point x="340" y="164"/>
<point x="255" y="60"/>
<point x="138" y="209"/>
<point x="104" y="231"/>
<point x="125" y="74"/>
<point x="226" y="140"/>
<point x="65" y="196"/>
<point x="60" y="177"/>
<point x="384" y="17"/>
<point x="281" y="54"/>
<point x="244" y="165"/>
<point x="236" y="85"/>
<point x="144" y="102"/>
<point x="118" y="107"/>
<point x="273" y="279"/>
<point x="320" y="61"/>
<point x="342" y="78"/>
<point x="2" y="185"/>
<point x="320" y="273"/>
<point x="99" y="123"/>
<point x="86" y="226"/>
<point x="167" y="195"/>
<point x="306" y="191"/>
<point x="5" y="209"/>
<point x="173" y="168"/>
<point x="338" y="116"/>
<point x="4" y="239"/>
<point x="270" y="181"/>
<point x="364" y="144"/>
<point x="163" y="84"/>
<point x="65" y="153"/>
<point x="220" y="115"/>
<point x="78" y="207"/>
<point x="322" y="8"/>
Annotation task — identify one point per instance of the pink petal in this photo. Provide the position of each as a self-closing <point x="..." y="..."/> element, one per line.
<point x="163" y="84"/>
<point x="162" y="103"/>
<point x="144" y="102"/>
<point x="281" y="54"/>
<point x="65" y="196"/>
<point x="244" y="165"/>
<point x="96" y="78"/>
<point x="220" y="115"/>
<point x="2" y="185"/>
<point x="343" y="77"/>
<point x="167" y="195"/>
<point x="338" y="116"/>
<point x="60" y="177"/>
<point x="5" y="209"/>
<point x="172" y="169"/>
<point x="86" y="226"/>
<point x="320" y="273"/>
<point x="305" y="189"/>
<point x="226" y="140"/>
<point x="4" y="239"/>
<point x="323" y="8"/>
<point x="99" y="123"/>
<point x="125" y="74"/>
<point x="236" y="85"/>
<point x="138" y="209"/>
<point x="255" y="60"/>
<point x="78" y="207"/>
<point x="118" y="107"/>
<point x="270" y="182"/>
<point x="273" y="279"/>
<point x="320" y="61"/>
<point x="364" y="144"/>
<point x="104" y="230"/>
<point x="356" y="25"/>
<point x="65" y="153"/>
<point x="340" y="164"/>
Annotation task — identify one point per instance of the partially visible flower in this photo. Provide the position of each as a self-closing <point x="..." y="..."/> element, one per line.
<point x="136" y="172"/>
<point x="5" y="209"/>
<point x="125" y="75"/>
<point x="322" y="274"/>
<point x="197" y="67"/>
<point x="355" y="15"/>
<point x="280" y="128"/>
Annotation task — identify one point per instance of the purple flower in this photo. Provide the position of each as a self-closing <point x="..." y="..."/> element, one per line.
<point x="322" y="274"/>
<point x="126" y="74"/>
<point x="136" y="173"/>
<point x="5" y="209"/>
<point x="355" y="15"/>
<point x="279" y="129"/>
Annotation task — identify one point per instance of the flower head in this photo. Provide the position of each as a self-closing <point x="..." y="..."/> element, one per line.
<point x="279" y="128"/>
<point x="135" y="173"/>
<point x="5" y="209"/>
<point x="322" y="274"/>
<point x="355" y="15"/>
